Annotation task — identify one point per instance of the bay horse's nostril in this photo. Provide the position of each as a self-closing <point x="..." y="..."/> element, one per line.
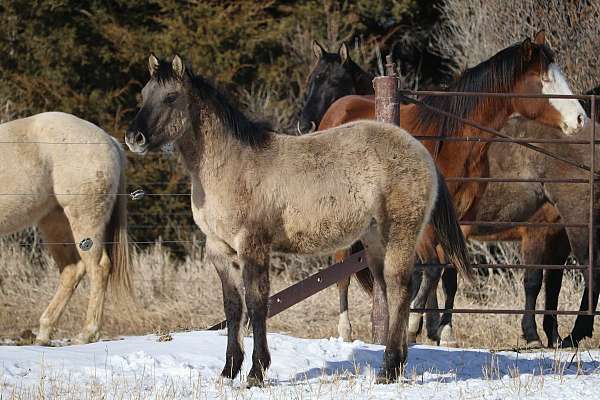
<point x="140" y="139"/>
<point x="580" y="120"/>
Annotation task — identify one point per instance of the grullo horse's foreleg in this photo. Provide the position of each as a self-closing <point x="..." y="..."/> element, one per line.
<point x="230" y="274"/>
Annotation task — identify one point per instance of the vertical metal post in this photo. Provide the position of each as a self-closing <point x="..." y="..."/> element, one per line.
<point x="387" y="101"/>
<point x="592" y="201"/>
<point x="387" y="109"/>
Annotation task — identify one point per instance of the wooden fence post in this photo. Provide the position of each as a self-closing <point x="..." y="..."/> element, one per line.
<point x="387" y="109"/>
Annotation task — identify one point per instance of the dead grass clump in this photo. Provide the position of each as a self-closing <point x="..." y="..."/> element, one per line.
<point x="173" y="294"/>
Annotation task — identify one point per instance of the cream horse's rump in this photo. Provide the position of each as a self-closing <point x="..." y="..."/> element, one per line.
<point x="63" y="174"/>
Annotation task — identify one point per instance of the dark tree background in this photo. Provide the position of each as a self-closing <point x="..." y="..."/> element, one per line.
<point x="89" y="58"/>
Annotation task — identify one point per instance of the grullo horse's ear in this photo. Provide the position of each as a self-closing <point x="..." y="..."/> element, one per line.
<point x="527" y="49"/>
<point x="178" y="67"/>
<point x="343" y="52"/>
<point x="540" y="37"/>
<point x="318" y="50"/>
<point x="152" y="64"/>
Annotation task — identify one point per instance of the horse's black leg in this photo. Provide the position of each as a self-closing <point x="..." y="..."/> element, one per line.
<point x="430" y="279"/>
<point x="553" y="286"/>
<point x="256" y="283"/>
<point x="558" y="250"/>
<point x="417" y="278"/>
<point x="584" y="324"/>
<point x="450" y="285"/>
<point x="233" y="304"/>
<point x="532" y="283"/>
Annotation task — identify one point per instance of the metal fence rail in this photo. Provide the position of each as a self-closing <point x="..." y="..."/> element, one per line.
<point x="387" y="102"/>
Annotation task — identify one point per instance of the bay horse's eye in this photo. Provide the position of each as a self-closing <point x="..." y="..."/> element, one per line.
<point x="170" y="98"/>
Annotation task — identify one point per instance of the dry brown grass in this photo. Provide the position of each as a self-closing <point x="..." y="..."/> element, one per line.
<point x="178" y="295"/>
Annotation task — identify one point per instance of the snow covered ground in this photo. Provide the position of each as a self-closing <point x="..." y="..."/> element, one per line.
<point x="188" y="367"/>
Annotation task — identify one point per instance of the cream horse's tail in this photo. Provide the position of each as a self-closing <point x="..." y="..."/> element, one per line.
<point x="118" y="246"/>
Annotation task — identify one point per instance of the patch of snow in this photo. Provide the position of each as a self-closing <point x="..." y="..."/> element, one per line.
<point x="190" y="365"/>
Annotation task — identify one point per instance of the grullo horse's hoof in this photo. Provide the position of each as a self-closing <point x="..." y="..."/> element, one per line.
<point x="388" y="375"/>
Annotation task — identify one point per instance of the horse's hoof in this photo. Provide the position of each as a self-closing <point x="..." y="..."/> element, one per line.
<point x="411" y="337"/>
<point x="446" y="337"/>
<point x="84" y="338"/>
<point x="40" y="341"/>
<point x="254" y="381"/>
<point x="386" y="377"/>
<point x="568" y="343"/>
<point x="446" y="343"/>
<point x="534" y="344"/>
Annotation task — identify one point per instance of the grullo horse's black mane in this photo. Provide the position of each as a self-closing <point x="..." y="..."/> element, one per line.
<point x="497" y="74"/>
<point x="235" y="122"/>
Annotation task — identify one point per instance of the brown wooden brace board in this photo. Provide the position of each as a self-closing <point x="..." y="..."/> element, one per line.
<point x="294" y="294"/>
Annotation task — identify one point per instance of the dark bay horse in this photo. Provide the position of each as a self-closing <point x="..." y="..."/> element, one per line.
<point x="334" y="75"/>
<point x="537" y="202"/>
<point x="499" y="74"/>
<point x="255" y="192"/>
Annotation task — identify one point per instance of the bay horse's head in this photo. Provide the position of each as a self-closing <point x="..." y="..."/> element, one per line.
<point x="332" y="77"/>
<point x="164" y="114"/>
<point x="540" y="74"/>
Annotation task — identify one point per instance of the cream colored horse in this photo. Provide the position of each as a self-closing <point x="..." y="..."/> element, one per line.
<point x="255" y="192"/>
<point x="63" y="174"/>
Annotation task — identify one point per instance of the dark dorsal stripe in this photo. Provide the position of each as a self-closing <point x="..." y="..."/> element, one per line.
<point x="499" y="74"/>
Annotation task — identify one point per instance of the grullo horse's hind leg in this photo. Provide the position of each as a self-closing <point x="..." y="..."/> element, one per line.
<point x="397" y="271"/>
<point x="55" y="229"/>
<point x="254" y="252"/>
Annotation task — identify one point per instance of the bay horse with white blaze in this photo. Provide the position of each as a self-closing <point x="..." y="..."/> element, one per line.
<point x="524" y="68"/>
<point x="47" y="185"/>
<point x="255" y="192"/>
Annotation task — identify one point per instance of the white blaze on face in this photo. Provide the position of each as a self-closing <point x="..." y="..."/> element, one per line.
<point x="572" y="114"/>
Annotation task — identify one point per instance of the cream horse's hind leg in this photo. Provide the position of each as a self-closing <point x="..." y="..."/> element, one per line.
<point x="97" y="265"/>
<point x="55" y="229"/>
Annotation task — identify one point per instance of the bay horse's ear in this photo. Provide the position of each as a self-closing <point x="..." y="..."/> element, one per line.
<point x="318" y="50"/>
<point x="526" y="46"/>
<point x="343" y="52"/>
<point x="178" y="67"/>
<point x="152" y="64"/>
<point x="540" y="37"/>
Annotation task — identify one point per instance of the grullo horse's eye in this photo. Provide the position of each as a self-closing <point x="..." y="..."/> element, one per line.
<point x="170" y="98"/>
